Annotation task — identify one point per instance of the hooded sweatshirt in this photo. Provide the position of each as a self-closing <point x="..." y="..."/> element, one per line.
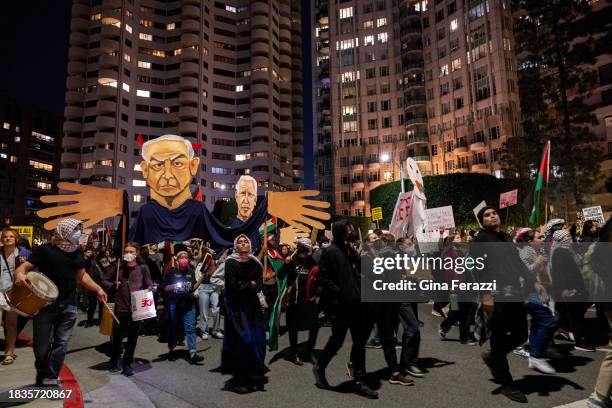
<point x="339" y="269"/>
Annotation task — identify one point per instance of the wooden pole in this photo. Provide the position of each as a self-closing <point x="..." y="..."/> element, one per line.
<point x="265" y="246"/>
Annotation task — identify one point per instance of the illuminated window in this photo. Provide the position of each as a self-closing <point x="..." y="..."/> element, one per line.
<point x="239" y="88"/>
<point x="368" y="24"/>
<point x="243" y="157"/>
<point x="137" y="167"/>
<point x="368" y="40"/>
<point x="137" y="198"/>
<point x="178" y="51"/>
<point x="88" y="165"/>
<point x="170" y="26"/>
<point x="17" y="139"/>
<point x="347" y="44"/>
<point x="146" y="23"/>
<point x="128" y="28"/>
<point x="388" y="176"/>
<point x="444" y="70"/>
<point x="143" y="93"/>
<point x="107" y="82"/>
<point x="43" y="186"/>
<point x="96" y="17"/>
<point x="231" y="9"/>
<point x="454" y="24"/>
<point x="122" y="164"/>
<point x="381" y="22"/>
<point x="126" y="87"/>
<point x="146" y="37"/>
<point x="456" y="64"/>
<point x="3" y="155"/>
<point x="383" y="37"/>
<point x="107" y="163"/>
<point x="346" y="12"/>
<point x="40" y="165"/>
<point x="144" y="64"/>
<point x="6" y="125"/>
<point x="139" y="183"/>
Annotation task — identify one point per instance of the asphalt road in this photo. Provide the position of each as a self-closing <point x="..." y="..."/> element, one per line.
<point x="456" y="376"/>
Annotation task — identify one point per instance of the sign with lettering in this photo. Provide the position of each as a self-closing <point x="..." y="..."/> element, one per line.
<point x="377" y="213"/>
<point x="440" y="218"/>
<point x="508" y="199"/>
<point x="401" y="214"/>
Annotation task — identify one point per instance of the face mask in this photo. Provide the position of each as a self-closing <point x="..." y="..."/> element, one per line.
<point x="353" y="237"/>
<point x="183" y="263"/>
<point x="129" y="257"/>
<point x="378" y="244"/>
<point x="74" y="237"/>
<point x="325" y="245"/>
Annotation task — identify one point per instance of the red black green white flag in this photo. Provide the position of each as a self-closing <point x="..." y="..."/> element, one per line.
<point x="541" y="181"/>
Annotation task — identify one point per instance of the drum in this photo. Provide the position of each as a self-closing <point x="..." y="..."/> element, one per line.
<point x="29" y="301"/>
<point x="106" y="323"/>
<point x="143" y="305"/>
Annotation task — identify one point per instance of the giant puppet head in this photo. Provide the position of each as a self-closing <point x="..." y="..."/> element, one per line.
<point x="169" y="166"/>
<point x="246" y="197"/>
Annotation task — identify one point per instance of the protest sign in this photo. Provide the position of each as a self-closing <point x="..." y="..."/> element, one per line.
<point x="508" y="199"/>
<point x="440" y="218"/>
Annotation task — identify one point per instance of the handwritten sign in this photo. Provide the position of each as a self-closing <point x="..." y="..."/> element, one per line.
<point x="440" y="218"/>
<point x="27" y="231"/>
<point x="594" y="213"/>
<point x="401" y="214"/>
<point x="508" y="199"/>
<point x="377" y="213"/>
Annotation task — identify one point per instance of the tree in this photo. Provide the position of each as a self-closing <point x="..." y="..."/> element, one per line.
<point x="225" y="211"/>
<point x="557" y="49"/>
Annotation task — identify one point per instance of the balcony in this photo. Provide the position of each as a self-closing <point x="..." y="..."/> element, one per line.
<point x="105" y="137"/>
<point x="359" y="203"/>
<point x="460" y="149"/>
<point x="189" y="83"/>
<point x="477" y="146"/>
<point x="259" y="21"/>
<point x="190" y="26"/>
<point x="479" y="167"/>
<point x="358" y="184"/>
<point x="187" y="127"/>
<point x="462" y="168"/>
<point x="79" y="24"/>
<point x="69" y="174"/>
<point x="109" y="30"/>
<point x="412" y="66"/>
<point x="71" y="142"/>
<point x="106" y="91"/>
<point x="421" y="158"/>
<point x="188" y="112"/>
<point x="106" y="106"/>
<point x="422" y="120"/>
<point x="73" y="112"/>
<point x="77" y="38"/>
<point x="189" y="68"/>
<point x="105" y="122"/>
<point x="189" y="40"/>
<point x="108" y="45"/>
<point x="77" y="53"/>
<point x="260" y="7"/>
<point x="74" y="97"/>
<point x="70" y="157"/>
<point x="373" y="184"/>
<point x="80" y="10"/>
<point x="190" y="12"/>
<point x="71" y="126"/>
<point x="75" y="82"/>
<point x="108" y="61"/>
<point x="76" y="67"/>
<point x="414" y="83"/>
<point x="190" y="54"/>
<point x="357" y="166"/>
<point x="417" y="139"/>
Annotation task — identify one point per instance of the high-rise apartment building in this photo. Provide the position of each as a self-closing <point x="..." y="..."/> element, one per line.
<point x="432" y="80"/>
<point x="30" y="149"/>
<point x="226" y="74"/>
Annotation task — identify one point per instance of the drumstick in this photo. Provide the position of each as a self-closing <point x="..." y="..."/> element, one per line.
<point x="111" y="312"/>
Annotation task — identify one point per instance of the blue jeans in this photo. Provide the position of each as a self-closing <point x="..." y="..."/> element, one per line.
<point x="543" y="326"/>
<point x="208" y="296"/>
<point x="52" y="330"/>
<point x="179" y="315"/>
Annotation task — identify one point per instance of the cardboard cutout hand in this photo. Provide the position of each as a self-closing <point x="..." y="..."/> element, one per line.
<point x="90" y="205"/>
<point x="289" y="235"/>
<point x="290" y="206"/>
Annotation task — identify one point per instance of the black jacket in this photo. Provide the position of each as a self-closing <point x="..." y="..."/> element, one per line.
<point x="502" y="263"/>
<point x="339" y="269"/>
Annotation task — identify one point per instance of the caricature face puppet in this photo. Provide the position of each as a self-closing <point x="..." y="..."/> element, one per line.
<point x="168" y="167"/>
<point x="246" y="197"/>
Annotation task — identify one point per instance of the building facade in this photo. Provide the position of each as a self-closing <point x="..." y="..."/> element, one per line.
<point x="30" y="150"/>
<point x="432" y="80"/>
<point x="220" y="73"/>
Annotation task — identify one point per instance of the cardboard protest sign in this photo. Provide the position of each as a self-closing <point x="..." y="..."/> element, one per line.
<point x="477" y="209"/>
<point x="401" y="214"/>
<point x="508" y="199"/>
<point x="594" y="213"/>
<point x="440" y="218"/>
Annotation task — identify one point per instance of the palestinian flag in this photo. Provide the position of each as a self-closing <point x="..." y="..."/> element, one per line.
<point x="541" y="181"/>
<point x="276" y="263"/>
<point x="271" y="226"/>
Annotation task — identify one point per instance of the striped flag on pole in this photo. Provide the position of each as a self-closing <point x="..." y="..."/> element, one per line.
<point x="541" y="182"/>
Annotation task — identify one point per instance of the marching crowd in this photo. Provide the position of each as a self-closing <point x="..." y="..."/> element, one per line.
<point x="317" y="284"/>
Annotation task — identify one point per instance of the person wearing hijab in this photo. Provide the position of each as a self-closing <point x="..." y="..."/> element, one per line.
<point x="301" y="312"/>
<point x="61" y="262"/>
<point x="133" y="276"/>
<point x="180" y="290"/>
<point x="568" y="288"/>
<point x="244" y="344"/>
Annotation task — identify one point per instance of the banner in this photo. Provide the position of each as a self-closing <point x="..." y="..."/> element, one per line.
<point x="377" y="214"/>
<point x="440" y="218"/>
<point x="401" y="214"/>
<point x="508" y="199"/>
<point x="594" y="213"/>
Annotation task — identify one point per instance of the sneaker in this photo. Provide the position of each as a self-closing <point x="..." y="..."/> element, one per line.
<point x="319" y="375"/>
<point x="472" y="341"/>
<point x="436" y="313"/>
<point x="541" y="365"/>
<point x="415" y="371"/>
<point x="50" y="382"/>
<point x="113" y="366"/>
<point x="401" y="379"/>
<point x="595" y="402"/>
<point x="204" y="336"/>
<point x="365" y="391"/>
<point x="513" y="393"/>
<point x="350" y="370"/>
<point x="295" y="359"/>
<point x="441" y="333"/>
<point x="521" y="352"/>
<point x="127" y="371"/>
<point x="373" y="344"/>
<point x="584" y="347"/>
<point x="195" y="358"/>
<point x="171" y="355"/>
<point x="217" y="335"/>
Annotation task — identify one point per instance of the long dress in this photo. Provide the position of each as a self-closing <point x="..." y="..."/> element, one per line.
<point x="244" y="344"/>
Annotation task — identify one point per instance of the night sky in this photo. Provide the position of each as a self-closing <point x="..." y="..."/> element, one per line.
<point x="34" y="49"/>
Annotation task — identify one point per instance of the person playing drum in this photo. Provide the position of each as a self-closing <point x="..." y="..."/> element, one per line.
<point x="10" y="261"/>
<point x="133" y="276"/>
<point x="62" y="263"/>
